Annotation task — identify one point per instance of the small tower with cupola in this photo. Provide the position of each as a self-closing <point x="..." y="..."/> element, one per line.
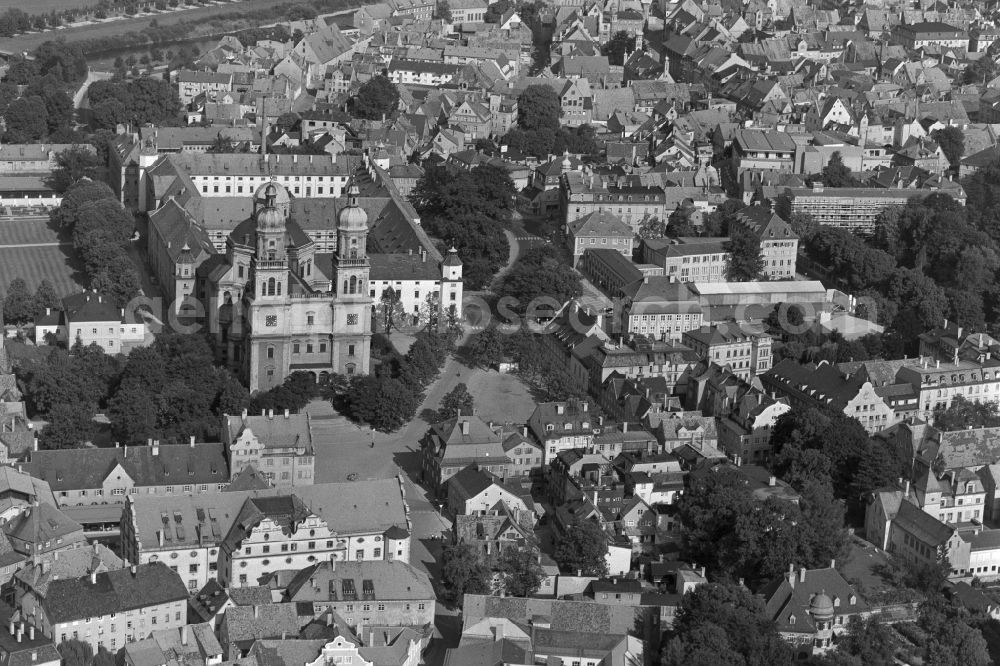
<point x="270" y="264"/>
<point x="451" y="285"/>
<point x="353" y="302"/>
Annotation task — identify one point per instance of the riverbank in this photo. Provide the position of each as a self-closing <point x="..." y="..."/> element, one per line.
<point x="196" y="17"/>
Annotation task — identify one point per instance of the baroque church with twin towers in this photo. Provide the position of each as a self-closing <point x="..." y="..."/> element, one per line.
<point x="276" y="302"/>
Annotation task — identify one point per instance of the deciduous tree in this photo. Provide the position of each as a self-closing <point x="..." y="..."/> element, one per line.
<point x="538" y="108"/>
<point x="18" y="303"/>
<point x="746" y="263"/>
<point x="952" y="142"/>
<point x="456" y="401"/>
<point x="377" y="98"/>
<point x="463" y="571"/>
<point x="520" y="572"/>
<point x="583" y="548"/>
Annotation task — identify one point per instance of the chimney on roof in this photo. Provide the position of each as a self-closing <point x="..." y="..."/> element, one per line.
<point x="93" y="577"/>
<point x="31" y="637"/>
<point x="465" y="427"/>
<point x="133" y="569"/>
<point x="802" y="575"/>
<point x="10" y="625"/>
<point x="159" y="537"/>
<point x="48" y="311"/>
<point x="156" y="447"/>
<point x="524" y="431"/>
<point x="244" y="414"/>
<point x="20" y="631"/>
<point x="192" y="441"/>
<point x="329" y="618"/>
<point x="184" y="635"/>
<point x="772" y="481"/>
<point x="286" y="413"/>
<point x="624" y="426"/>
<point x="256" y="611"/>
<point x="270" y="413"/>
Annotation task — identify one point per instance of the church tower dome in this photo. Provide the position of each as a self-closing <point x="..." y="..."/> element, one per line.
<point x="269" y="217"/>
<point x="353" y="217"/>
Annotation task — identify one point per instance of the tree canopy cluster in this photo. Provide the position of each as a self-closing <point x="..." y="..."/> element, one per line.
<point x="539" y="131"/>
<point x="44" y="110"/>
<point x="814" y="446"/>
<point x="928" y="260"/>
<point x="582" y="549"/>
<point x="468" y="210"/>
<point x="102" y="230"/>
<point x="540" y="272"/>
<point x="377" y="98"/>
<point x="388" y="397"/>
<point x="171" y="391"/>
<point x="536" y="365"/>
<point x="66" y="389"/>
<point x="467" y="570"/>
<point x="962" y="414"/>
<point x="292" y="394"/>
<point x="21" y="306"/>
<point x="138" y="101"/>
<point x="737" y="536"/>
<point x="723" y="623"/>
<point x="619" y="47"/>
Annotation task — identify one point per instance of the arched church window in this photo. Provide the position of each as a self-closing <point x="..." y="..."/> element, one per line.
<point x="345" y="287"/>
<point x="279" y="289"/>
<point x="270" y="352"/>
<point x="354" y="284"/>
<point x="270" y="287"/>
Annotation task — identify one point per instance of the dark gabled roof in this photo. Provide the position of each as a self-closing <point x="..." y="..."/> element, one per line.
<point x="403" y="266"/>
<point x="42" y="523"/>
<point x="113" y="592"/>
<point x="173" y="464"/>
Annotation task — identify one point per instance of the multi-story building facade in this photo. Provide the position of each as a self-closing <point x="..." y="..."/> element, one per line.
<point x="187" y="533"/>
<point x="583" y="192"/>
<point x="366" y="593"/>
<point x="452" y="445"/>
<point x="280" y="447"/>
<point x="689" y="259"/>
<point x="746" y="350"/>
<point x="659" y="309"/>
<point x="421" y="73"/>
<point x="765" y="150"/>
<point x="110" y="608"/>
<point x="745" y="432"/>
<point x="930" y="33"/>
<point x="611" y="271"/>
<point x="270" y="295"/>
<point x="190" y="84"/>
<point x="420" y="10"/>
<point x="598" y="230"/>
<point x="779" y="245"/>
<point x="91" y="318"/>
<point x="639" y="359"/>
<point x="824" y="385"/>
<point x="106" y="476"/>
<point x="938" y="383"/>
<point x="269" y="534"/>
<point x="852" y="208"/>
<point x="561" y="426"/>
<point x="236" y="175"/>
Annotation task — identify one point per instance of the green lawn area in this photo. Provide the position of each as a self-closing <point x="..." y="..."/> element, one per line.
<point x="22" y="231"/>
<point x="58" y="264"/>
<point x="501" y="398"/>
